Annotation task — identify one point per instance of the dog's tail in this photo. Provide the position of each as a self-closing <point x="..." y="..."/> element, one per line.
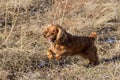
<point x="93" y="35"/>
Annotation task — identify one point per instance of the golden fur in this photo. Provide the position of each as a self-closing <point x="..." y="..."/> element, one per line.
<point x="64" y="44"/>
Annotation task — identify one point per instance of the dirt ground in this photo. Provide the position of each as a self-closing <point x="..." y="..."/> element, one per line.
<point x="23" y="48"/>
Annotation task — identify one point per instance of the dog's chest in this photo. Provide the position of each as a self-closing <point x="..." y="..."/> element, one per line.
<point x="59" y="48"/>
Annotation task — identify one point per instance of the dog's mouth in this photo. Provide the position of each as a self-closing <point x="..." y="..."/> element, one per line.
<point x="52" y="39"/>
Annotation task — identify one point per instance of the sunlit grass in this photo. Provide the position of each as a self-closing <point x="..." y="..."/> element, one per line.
<point x="23" y="48"/>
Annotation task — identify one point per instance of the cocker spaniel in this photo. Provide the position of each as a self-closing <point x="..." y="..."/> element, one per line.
<point x="65" y="44"/>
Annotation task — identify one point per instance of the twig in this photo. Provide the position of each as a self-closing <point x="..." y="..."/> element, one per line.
<point x="63" y="14"/>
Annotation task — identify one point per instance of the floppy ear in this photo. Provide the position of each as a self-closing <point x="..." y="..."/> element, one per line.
<point x="62" y="34"/>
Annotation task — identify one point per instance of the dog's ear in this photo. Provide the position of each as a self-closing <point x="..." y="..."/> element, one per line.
<point x="62" y="34"/>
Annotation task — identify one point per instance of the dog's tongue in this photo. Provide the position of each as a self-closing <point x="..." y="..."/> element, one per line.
<point x="50" y="40"/>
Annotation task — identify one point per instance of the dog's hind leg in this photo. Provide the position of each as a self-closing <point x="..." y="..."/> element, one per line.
<point x="93" y="59"/>
<point x="50" y="54"/>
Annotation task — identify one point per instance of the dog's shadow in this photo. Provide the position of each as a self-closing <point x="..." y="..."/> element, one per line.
<point x="46" y="63"/>
<point x="109" y="60"/>
<point x="62" y="63"/>
<point x="105" y="61"/>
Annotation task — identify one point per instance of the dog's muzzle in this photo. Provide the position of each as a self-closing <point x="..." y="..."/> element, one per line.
<point x="52" y="39"/>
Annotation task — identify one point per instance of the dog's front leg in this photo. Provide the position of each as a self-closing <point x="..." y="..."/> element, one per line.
<point x="50" y="54"/>
<point x="58" y="57"/>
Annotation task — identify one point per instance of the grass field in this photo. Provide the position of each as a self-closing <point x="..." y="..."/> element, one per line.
<point x="23" y="48"/>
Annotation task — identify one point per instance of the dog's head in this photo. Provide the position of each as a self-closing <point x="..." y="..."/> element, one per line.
<point x="54" y="33"/>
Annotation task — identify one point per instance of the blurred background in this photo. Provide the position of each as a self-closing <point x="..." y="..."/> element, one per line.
<point x="23" y="48"/>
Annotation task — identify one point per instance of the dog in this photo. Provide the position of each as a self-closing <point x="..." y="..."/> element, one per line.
<point x="64" y="44"/>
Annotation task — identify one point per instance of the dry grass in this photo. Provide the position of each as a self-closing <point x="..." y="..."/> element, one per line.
<point x="23" y="48"/>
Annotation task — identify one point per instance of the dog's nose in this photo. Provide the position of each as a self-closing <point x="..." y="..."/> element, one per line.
<point x="48" y="35"/>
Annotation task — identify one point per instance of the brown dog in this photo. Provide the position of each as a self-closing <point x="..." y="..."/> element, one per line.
<point x="64" y="44"/>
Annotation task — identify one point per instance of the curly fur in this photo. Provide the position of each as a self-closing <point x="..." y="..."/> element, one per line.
<point x="64" y="44"/>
